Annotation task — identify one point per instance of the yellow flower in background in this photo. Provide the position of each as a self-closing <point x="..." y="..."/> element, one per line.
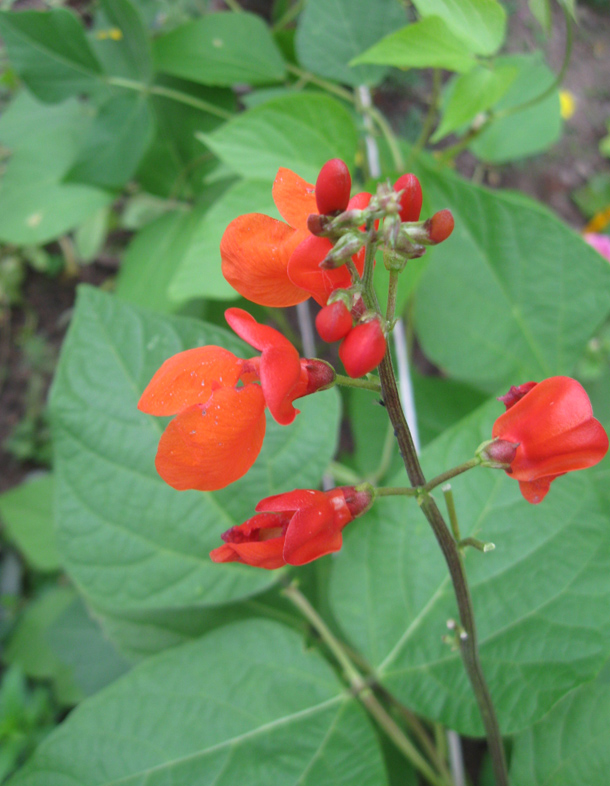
<point x="113" y="33"/>
<point x="567" y="104"/>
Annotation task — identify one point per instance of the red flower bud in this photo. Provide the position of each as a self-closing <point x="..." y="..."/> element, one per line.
<point x="556" y="431"/>
<point x="497" y="453"/>
<point x="411" y="197"/>
<point x="334" y="322"/>
<point x="440" y="226"/>
<point x="516" y="393"/>
<point x="363" y="348"/>
<point x="333" y="187"/>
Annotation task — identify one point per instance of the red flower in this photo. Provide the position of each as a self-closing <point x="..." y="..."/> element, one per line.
<point x="554" y="425"/>
<point x="256" y="249"/>
<point x="293" y="528"/>
<point x="219" y="426"/>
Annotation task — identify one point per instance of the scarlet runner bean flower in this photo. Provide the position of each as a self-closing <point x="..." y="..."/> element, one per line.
<point x="256" y="249"/>
<point x="220" y="423"/>
<point x="554" y="425"/>
<point x="294" y="528"/>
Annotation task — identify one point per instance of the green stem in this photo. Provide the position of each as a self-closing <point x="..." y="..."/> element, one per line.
<point x="233" y="5"/>
<point x="330" y="87"/>
<point x="169" y="92"/>
<point x="451" y="512"/>
<point x="361" y="688"/>
<point x="396" y="491"/>
<point x="386" y="457"/>
<point x="366" y="384"/>
<point x="430" y="115"/>
<point x="343" y="474"/>
<point x="386" y="129"/>
<point x="451" y="473"/>
<point x="392" y="291"/>
<point x="290" y="14"/>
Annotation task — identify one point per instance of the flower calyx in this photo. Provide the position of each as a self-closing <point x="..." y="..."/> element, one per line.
<point x="497" y="453"/>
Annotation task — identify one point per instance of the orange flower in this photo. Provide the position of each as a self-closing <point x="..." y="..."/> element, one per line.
<point x="276" y="264"/>
<point x="293" y="528"/>
<point x="554" y="425"/>
<point x="220" y="423"/>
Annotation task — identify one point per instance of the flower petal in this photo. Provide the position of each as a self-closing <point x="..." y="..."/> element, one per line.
<point x="290" y="500"/>
<point x="267" y="554"/>
<point x="255" y="250"/>
<point x="209" y="446"/>
<point x="535" y="491"/>
<point x="305" y="272"/>
<point x="280" y="371"/>
<point x="294" y="197"/>
<point x="312" y="533"/>
<point x="188" y="378"/>
<point x="259" y="336"/>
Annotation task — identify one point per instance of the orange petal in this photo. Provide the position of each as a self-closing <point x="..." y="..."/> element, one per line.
<point x="312" y="533"/>
<point x="280" y="370"/>
<point x="267" y="554"/>
<point x="294" y="197"/>
<point x="211" y="445"/>
<point x="535" y="491"/>
<point x="305" y="272"/>
<point x="188" y="378"/>
<point x="255" y="250"/>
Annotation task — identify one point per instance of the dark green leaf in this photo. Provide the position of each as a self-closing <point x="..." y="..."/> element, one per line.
<point x="131" y="542"/>
<point x="245" y="703"/>
<point x="221" y="49"/>
<point x="540" y="599"/>
<point x="49" y="51"/>
<point x="298" y="131"/>
<point x="116" y="142"/>
<point x="27" y="515"/>
<point x="332" y="32"/>
<point x="128" y="52"/>
<point x="502" y="301"/>
<point x="429" y="43"/>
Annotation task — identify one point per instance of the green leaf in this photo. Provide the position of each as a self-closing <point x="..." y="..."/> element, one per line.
<point x="153" y="257"/>
<point x="116" y="142"/>
<point x="540" y="598"/>
<point x="198" y="273"/>
<point x="131" y="54"/>
<point x="27" y="515"/>
<point x="80" y="644"/>
<point x="429" y="43"/>
<point x="332" y="32"/>
<point x="526" y="132"/>
<point x="49" y="51"/>
<point x="301" y="132"/>
<point x="30" y="648"/>
<point x="37" y="205"/>
<point x="220" y="710"/>
<point x="503" y="302"/>
<point x="176" y="164"/>
<point x="130" y="541"/>
<point x="221" y="49"/>
<point x="571" y="744"/>
<point x="541" y="9"/>
<point x="481" y="23"/>
<point x="472" y="93"/>
<point x="90" y="236"/>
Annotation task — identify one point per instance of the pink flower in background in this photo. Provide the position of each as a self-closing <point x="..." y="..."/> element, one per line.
<point x="600" y="243"/>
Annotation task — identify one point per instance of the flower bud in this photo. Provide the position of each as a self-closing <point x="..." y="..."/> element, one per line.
<point x="359" y="499"/>
<point x="334" y="322"/>
<point x="344" y="249"/>
<point x="516" y="393"/>
<point x="411" y="197"/>
<point x="333" y="187"/>
<point x="320" y="375"/>
<point x="497" y="453"/>
<point x="440" y="226"/>
<point x="363" y="348"/>
<point x="318" y="225"/>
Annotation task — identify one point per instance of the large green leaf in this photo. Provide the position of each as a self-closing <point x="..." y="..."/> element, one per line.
<point x="529" y="131"/>
<point x="49" y="51"/>
<point x="36" y="205"/>
<point x="199" y="273"/>
<point x="512" y="295"/>
<point x="221" y="49"/>
<point x="429" y="43"/>
<point x="298" y="131"/>
<point x="540" y="599"/>
<point x="129" y="540"/>
<point x="332" y="32"/>
<point x="27" y="515"/>
<point x="116" y="142"/>
<point x="244" y="704"/>
<point x="570" y="745"/>
<point x="481" y="23"/>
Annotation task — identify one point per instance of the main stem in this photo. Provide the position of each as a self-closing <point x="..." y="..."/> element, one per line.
<point x="468" y="641"/>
